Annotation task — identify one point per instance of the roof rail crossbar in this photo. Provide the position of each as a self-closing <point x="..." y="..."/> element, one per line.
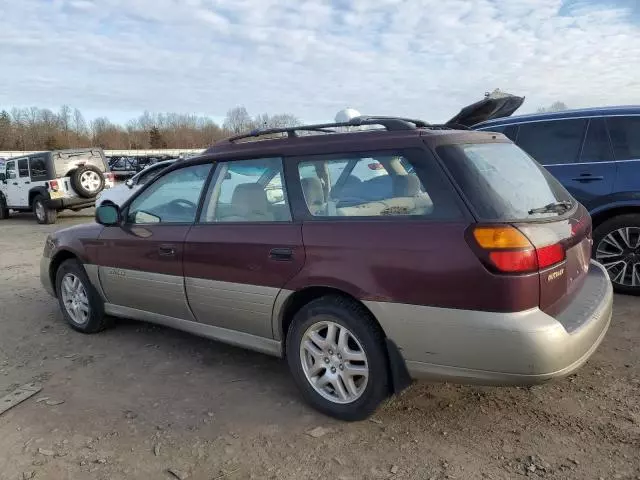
<point x="389" y="123"/>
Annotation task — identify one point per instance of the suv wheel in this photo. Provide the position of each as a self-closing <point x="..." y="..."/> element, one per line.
<point x="79" y="301"/>
<point x="4" y="210"/>
<point x="43" y="213"/>
<point x="336" y="354"/>
<point x="617" y="247"/>
<point x="88" y="181"/>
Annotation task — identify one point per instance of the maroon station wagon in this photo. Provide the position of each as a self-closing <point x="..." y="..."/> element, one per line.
<point x="365" y="256"/>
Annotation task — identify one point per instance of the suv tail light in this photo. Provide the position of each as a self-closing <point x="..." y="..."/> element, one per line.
<point x="375" y="166"/>
<point x="53" y="185"/>
<point x="508" y="250"/>
<point x="110" y="176"/>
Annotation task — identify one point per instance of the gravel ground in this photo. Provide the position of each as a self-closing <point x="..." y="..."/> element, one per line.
<point x="141" y="402"/>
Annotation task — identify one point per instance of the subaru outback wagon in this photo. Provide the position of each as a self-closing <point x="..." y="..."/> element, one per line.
<point x="387" y="254"/>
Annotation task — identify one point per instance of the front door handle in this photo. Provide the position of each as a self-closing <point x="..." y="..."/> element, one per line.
<point x="166" y="251"/>
<point x="281" y="254"/>
<point x="15" y="183"/>
<point x="587" y="177"/>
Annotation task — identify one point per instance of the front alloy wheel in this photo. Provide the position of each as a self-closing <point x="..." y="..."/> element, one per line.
<point x="75" y="299"/>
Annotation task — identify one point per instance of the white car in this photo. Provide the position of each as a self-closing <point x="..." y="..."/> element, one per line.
<point x="121" y="192"/>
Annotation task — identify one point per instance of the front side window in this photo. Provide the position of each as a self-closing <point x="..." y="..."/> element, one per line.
<point x="23" y="168"/>
<point x="596" y="144"/>
<point x="172" y="198"/>
<point x="38" y="166"/>
<point x="247" y="191"/>
<point x="553" y="142"/>
<point x="384" y="184"/>
<point x="625" y="136"/>
<point x="11" y="170"/>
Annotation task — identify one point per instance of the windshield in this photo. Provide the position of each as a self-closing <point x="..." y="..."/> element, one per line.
<point x="503" y="183"/>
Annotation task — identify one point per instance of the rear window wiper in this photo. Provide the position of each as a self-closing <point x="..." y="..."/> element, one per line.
<point x="555" y="207"/>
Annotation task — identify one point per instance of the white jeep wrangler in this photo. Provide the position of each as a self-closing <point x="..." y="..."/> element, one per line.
<point x="48" y="182"/>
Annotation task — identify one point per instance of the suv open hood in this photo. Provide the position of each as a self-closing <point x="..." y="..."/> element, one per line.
<point x="496" y="104"/>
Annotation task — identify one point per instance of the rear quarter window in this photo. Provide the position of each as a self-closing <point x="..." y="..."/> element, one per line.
<point x="501" y="182"/>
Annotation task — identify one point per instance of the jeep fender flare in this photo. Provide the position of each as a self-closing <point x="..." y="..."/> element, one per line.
<point x="35" y="191"/>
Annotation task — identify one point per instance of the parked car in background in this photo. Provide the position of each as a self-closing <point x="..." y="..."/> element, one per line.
<point x="595" y="153"/>
<point x="121" y="192"/>
<point x="471" y="263"/>
<point x="49" y="182"/>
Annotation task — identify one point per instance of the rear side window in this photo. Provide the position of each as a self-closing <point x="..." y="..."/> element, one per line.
<point x="501" y="181"/>
<point x="38" y="166"/>
<point x="625" y="136"/>
<point x="596" y="144"/>
<point x="376" y="184"/>
<point x="23" y="168"/>
<point x="553" y="142"/>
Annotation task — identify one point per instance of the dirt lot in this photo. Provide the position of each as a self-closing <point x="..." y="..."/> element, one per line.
<point x="140" y="400"/>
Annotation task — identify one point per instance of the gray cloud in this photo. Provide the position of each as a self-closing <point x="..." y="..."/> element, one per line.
<point x="424" y="58"/>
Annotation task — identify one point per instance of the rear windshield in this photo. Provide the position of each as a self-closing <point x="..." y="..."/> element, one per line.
<point x="502" y="182"/>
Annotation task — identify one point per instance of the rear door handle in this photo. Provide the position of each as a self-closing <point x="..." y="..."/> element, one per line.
<point x="14" y="183"/>
<point x="166" y="251"/>
<point x="281" y="254"/>
<point x="587" y="177"/>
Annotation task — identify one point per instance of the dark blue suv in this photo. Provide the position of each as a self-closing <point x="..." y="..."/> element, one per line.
<point x="595" y="153"/>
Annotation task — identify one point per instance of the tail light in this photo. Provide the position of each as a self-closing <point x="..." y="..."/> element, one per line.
<point x="375" y="166"/>
<point x="53" y="185"/>
<point x="110" y="176"/>
<point x="508" y="250"/>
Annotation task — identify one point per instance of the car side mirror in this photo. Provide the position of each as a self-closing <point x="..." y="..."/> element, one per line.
<point x="108" y="215"/>
<point x="129" y="183"/>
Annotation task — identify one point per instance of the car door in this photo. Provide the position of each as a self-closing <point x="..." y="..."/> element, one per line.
<point x="243" y="250"/>
<point x="140" y="261"/>
<point x="12" y="185"/>
<point x="625" y="137"/>
<point x="24" y="182"/>
<point x="576" y="151"/>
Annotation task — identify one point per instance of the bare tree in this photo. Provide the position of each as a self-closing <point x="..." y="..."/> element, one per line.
<point x="238" y="121"/>
<point x="554" y="107"/>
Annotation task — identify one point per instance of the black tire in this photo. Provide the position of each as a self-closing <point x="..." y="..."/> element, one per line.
<point x="76" y="181"/>
<point x="97" y="320"/>
<point x="44" y="215"/>
<point x="612" y="225"/>
<point x="358" y="321"/>
<point x="4" y="211"/>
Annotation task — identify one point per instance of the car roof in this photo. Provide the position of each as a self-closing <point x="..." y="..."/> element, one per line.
<point x="573" y="113"/>
<point x="319" y="139"/>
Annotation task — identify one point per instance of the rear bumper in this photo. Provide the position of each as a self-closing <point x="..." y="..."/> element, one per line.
<point x="518" y="348"/>
<point x="75" y="202"/>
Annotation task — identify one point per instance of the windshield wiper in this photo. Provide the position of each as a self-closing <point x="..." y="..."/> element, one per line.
<point x="555" y="207"/>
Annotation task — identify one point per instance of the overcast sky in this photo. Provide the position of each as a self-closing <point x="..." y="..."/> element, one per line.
<point x="418" y="58"/>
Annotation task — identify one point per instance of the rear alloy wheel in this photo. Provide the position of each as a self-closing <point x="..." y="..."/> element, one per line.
<point x="43" y="214"/>
<point x="617" y="247"/>
<point x="338" y="359"/>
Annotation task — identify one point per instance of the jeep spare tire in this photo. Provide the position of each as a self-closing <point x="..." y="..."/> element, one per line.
<point x="88" y="181"/>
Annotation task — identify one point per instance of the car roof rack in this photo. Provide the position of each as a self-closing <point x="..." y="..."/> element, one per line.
<point x="389" y="123"/>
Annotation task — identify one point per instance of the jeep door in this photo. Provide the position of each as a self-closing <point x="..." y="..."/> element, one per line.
<point x="140" y="261"/>
<point x="12" y="185"/>
<point x="243" y="250"/>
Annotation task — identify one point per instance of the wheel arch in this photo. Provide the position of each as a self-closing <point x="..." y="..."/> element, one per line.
<point x="286" y="310"/>
<point x="602" y="215"/>
<point x="35" y="191"/>
<point x="57" y="259"/>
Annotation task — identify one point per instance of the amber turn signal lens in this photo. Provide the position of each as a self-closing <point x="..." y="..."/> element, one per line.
<point x="491" y="238"/>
